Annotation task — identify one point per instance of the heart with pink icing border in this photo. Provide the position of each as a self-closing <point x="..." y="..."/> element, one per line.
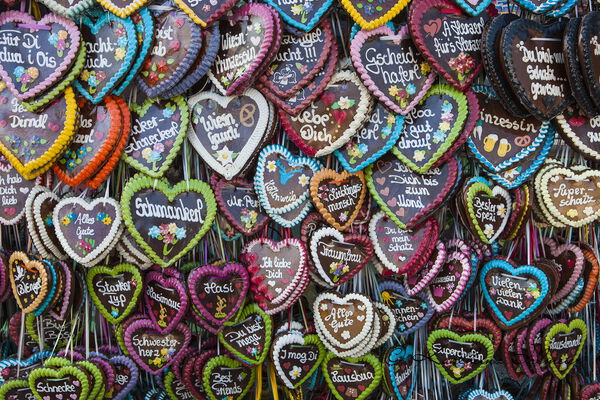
<point x="416" y="282"/>
<point x="165" y="299"/>
<point x="445" y="289"/>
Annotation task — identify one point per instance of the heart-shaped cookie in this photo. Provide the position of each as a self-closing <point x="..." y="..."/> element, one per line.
<point x="432" y="127"/>
<point x="36" y="61"/>
<point x="87" y="229"/>
<point x="488" y="209"/>
<point x="398" y="371"/>
<point x="411" y="312"/>
<point x="69" y="381"/>
<point x="436" y="27"/>
<point x="399" y="82"/>
<point x="563" y="344"/>
<point x="158" y="128"/>
<point x="352" y="378"/>
<point x="249" y="339"/>
<point x="226" y="131"/>
<point x="126" y="376"/>
<point x="516" y="295"/>
<point x="167" y="221"/>
<point x="227" y="377"/>
<point x="580" y="132"/>
<point x="545" y="91"/>
<point x="165" y="299"/>
<point x="152" y="351"/>
<point x="338" y="196"/>
<point x="218" y="293"/>
<point x="282" y="180"/>
<point x="111" y="45"/>
<point x="15" y="193"/>
<point x="589" y="33"/>
<point x="29" y="281"/>
<point x="405" y="196"/>
<point x="296" y="357"/>
<point x="332" y="119"/>
<point x="459" y="357"/>
<point x="370" y="15"/>
<point x="450" y="282"/>
<point x="32" y="152"/>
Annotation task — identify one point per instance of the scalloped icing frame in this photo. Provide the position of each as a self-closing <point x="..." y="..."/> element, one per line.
<point x="478" y="187"/>
<point x="276" y="247"/>
<point x="368" y="358"/>
<point x="360" y="117"/>
<point x="128" y="60"/>
<point x="480" y="394"/>
<point x="112" y="271"/>
<point x="515" y="271"/>
<point x="147" y="31"/>
<point x="359" y="240"/>
<point x="336" y="298"/>
<point x="326" y="173"/>
<point x="249" y="309"/>
<point x="169" y="283"/>
<point x="41" y="164"/>
<point x="253" y="142"/>
<point x="557" y="328"/>
<point x="25" y="210"/>
<point x="230" y="363"/>
<point x="226" y="6"/>
<point x="259" y="186"/>
<point x="101" y="154"/>
<point x="50" y="295"/>
<point x="375" y="23"/>
<point x="300" y="339"/>
<point x="215" y="271"/>
<point x="183" y="127"/>
<point x="18" y="255"/>
<point x="282" y="219"/>
<point x="396" y="286"/>
<point x="537" y="142"/>
<point x="435" y="269"/>
<point x="105" y="244"/>
<point x="572" y="136"/>
<point x="72" y="370"/>
<point x="61" y="70"/>
<point x="590" y="285"/>
<point x="141" y="182"/>
<point x="91" y="370"/>
<point x="569" y="173"/>
<point x="453" y="135"/>
<point x="356" y="46"/>
<point x="270" y="26"/>
<point x="453" y="176"/>
<point x="471" y="337"/>
<point x="123" y="12"/>
<point x="460" y="287"/>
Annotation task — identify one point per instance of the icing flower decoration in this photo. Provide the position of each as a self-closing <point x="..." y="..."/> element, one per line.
<point x="501" y="210"/>
<point x="488" y="230"/>
<point x="295" y="372"/>
<point x="248" y="217"/>
<point x="25" y="76"/>
<point x="169" y="234"/>
<point x="225" y="156"/>
<point x="419" y="155"/>
<point x="271" y="166"/>
<point x="588" y="211"/>
<point x="462" y="64"/>
<point x="338" y="269"/>
<point x="356" y="150"/>
<point x="303" y="180"/>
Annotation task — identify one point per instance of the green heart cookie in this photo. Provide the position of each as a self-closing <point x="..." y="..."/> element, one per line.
<point x="235" y="389"/>
<point x="352" y="378"/>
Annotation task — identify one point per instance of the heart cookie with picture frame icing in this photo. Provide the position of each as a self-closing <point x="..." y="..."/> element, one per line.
<point x="296" y="357"/>
<point x="282" y="180"/>
<point x="332" y="119"/>
<point x="450" y="281"/>
<point x="570" y="196"/>
<point x="167" y="221"/>
<point x="352" y="378"/>
<point x="399" y="82"/>
<point x="411" y="313"/>
<point x="338" y="257"/>
<point x="450" y="350"/>
<point x="430" y="23"/>
<point x="115" y="290"/>
<point x="158" y="128"/>
<point x="68" y="380"/>
<point x="247" y="39"/>
<point x="432" y="127"/>
<point x="165" y="299"/>
<point x="87" y="229"/>
<point x="15" y="194"/>
<point x="226" y="131"/>
<point x="563" y="344"/>
<point x="29" y="281"/>
<point x="338" y="196"/>
<point x="38" y="60"/>
<point x="31" y="154"/>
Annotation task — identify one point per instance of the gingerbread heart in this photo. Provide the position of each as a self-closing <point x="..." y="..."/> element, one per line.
<point x="450" y="282"/>
<point x="411" y="312"/>
<point x="167" y="221"/>
<point x="352" y="378"/>
<point x="488" y="209"/>
<point x="29" y="281"/>
<point x="563" y="344"/>
<point x="68" y="382"/>
<point x="227" y="377"/>
<point x="296" y="357"/>
<point x="165" y="299"/>
<point x="14" y="194"/>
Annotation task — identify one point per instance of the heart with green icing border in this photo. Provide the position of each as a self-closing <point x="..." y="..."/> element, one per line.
<point x="295" y="372"/>
<point x="95" y="374"/>
<point x="254" y="323"/>
<point x="432" y="127"/>
<point x="563" y="354"/>
<point x="15" y="389"/>
<point x="167" y="222"/>
<point x="239" y="386"/>
<point x="367" y="366"/>
<point x="129" y="285"/>
<point x="76" y="380"/>
<point x="448" y="359"/>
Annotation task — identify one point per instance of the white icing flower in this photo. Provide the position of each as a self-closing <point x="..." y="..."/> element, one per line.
<point x="489" y="230"/>
<point x="344" y="103"/>
<point x="588" y="211"/>
<point x="501" y="210"/>
<point x="346" y="335"/>
<point x="271" y="166"/>
<point x="224" y="156"/>
<point x="295" y="372"/>
<point x="555" y="178"/>
<point x="323" y="307"/>
<point x="303" y="180"/>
